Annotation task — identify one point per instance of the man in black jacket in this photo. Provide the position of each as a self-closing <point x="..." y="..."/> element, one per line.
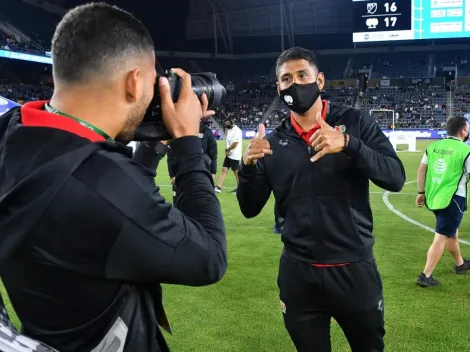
<point x="318" y="164"/>
<point x="209" y="147"/>
<point x="97" y="237"/>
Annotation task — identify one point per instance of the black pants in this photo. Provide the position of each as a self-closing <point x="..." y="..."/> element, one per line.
<point x="173" y="188"/>
<point x="352" y="295"/>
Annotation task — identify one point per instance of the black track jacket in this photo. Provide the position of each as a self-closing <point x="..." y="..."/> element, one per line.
<point x="325" y="205"/>
<point x="209" y="147"/>
<point x="97" y="238"/>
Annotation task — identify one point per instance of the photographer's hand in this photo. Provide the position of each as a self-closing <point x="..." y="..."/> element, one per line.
<point x="184" y="117"/>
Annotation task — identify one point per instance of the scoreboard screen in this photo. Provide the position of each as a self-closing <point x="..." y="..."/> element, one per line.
<point x="388" y="20"/>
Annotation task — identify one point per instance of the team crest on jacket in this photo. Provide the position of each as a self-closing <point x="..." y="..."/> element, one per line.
<point x="340" y="128"/>
<point x="201" y="135"/>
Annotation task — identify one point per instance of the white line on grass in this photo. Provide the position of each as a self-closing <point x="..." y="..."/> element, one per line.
<point x="389" y="206"/>
<point x="406" y="218"/>
<point x="372" y="192"/>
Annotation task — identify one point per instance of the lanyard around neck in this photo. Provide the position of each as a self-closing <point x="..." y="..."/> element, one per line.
<point x="81" y="122"/>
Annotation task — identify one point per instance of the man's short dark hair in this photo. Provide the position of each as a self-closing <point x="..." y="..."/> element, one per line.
<point x="93" y="39"/>
<point x="455" y="124"/>
<point x="296" y="54"/>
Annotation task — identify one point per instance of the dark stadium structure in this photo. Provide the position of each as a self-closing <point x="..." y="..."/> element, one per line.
<point x="406" y="84"/>
<point x="410" y="86"/>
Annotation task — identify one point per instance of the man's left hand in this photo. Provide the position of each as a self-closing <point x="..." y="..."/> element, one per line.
<point x="420" y="200"/>
<point x="326" y="140"/>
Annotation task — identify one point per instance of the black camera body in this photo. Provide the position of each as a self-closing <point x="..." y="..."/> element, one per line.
<point x="152" y="127"/>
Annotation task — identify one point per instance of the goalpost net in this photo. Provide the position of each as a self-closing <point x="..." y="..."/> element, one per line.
<point x="385" y="118"/>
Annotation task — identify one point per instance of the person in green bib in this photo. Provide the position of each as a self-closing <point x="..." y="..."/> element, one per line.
<point x="442" y="186"/>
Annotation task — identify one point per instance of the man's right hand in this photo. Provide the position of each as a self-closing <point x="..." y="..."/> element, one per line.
<point x="258" y="148"/>
<point x="182" y="118"/>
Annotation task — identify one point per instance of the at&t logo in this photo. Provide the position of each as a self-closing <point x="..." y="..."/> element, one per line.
<point x="439" y="166"/>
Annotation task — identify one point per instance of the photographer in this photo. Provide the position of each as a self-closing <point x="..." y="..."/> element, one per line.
<point x="87" y="237"/>
<point x="209" y="147"/>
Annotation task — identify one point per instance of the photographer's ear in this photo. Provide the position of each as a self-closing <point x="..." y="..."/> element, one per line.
<point x="134" y="85"/>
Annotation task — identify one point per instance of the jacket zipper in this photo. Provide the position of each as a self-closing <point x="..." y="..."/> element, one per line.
<point x="314" y="209"/>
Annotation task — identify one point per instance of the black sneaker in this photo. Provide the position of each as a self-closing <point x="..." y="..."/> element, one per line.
<point x="459" y="270"/>
<point x="424" y="281"/>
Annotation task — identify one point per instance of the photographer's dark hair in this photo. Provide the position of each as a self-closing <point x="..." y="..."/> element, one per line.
<point x="455" y="124"/>
<point x="296" y="54"/>
<point x="93" y="39"/>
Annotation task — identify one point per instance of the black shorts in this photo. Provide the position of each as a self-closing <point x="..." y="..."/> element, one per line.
<point x="231" y="164"/>
<point x="449" y="219"/>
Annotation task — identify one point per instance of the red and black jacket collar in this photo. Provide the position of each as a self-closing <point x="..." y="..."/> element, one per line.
<point x="34" y="115"/>
<point x="307" y="134"/>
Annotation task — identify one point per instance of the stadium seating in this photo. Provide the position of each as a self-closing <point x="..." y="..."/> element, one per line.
<point x="39" y="25"/>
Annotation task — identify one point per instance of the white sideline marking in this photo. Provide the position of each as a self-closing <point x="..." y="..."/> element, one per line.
<point x="406" y="218"/>
<point x="231" y="187"/>
<point x="389" y="206"/>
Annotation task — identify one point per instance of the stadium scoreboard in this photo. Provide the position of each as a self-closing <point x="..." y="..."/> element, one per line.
<point x="387" y="20"/>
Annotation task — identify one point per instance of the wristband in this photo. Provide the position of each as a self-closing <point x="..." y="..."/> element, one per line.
<point x="158" y="147"/>
<point x="420" y="192"/>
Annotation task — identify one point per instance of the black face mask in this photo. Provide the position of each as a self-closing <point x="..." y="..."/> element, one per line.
<point x="465" y="139"/>
<point x="300" y="97"/>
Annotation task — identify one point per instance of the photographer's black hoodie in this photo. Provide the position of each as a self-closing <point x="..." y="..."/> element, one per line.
<point x="86" y="239"/>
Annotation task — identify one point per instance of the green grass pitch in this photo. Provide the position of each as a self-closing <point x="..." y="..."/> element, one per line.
<point x="241" y="313"/>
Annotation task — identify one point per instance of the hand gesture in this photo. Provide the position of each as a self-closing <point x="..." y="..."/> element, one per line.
<point x="258" y="148"/>
<point x="326" y="140"/>
<point x="420" y="200"/>
<point x="182" y="118"/>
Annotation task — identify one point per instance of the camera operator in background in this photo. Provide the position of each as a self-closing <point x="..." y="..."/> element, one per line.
<point x="97" y="238"/>
<point x="209" y="147"/>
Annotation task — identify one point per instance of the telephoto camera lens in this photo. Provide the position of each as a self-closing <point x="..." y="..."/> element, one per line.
<point x="152" y="127"/>
<point x="206" y="82"/>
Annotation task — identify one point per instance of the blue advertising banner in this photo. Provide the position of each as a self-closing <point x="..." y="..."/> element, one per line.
<point x="26" y="57"/>
<point x="418" y="133"/>
<point x="6" y="104"/>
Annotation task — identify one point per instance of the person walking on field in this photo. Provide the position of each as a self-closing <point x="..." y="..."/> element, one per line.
<point x="442" y="187"/>
<point x="233" y="154"/>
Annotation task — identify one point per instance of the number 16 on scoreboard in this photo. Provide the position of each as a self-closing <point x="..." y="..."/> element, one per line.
<point x="390" y="7"/>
